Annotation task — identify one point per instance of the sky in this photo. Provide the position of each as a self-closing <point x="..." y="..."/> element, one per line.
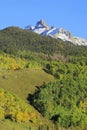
<point x="69" y="14"/>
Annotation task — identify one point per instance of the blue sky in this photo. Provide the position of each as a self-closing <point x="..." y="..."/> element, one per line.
<point x="69" y="14"/>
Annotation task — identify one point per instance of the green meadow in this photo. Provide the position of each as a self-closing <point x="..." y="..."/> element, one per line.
<point x="24" y="82"/>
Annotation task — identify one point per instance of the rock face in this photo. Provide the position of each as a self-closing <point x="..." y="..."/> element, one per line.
<point x="43" y="29"/>
<point x="41" y="24"/>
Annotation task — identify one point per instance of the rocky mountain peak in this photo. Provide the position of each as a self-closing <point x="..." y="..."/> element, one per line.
<point x="43" y="29"/>
<point x="41" y="24"/>
<point x="64" y="31"/>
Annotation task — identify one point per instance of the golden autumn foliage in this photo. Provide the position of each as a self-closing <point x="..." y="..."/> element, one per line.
<point x="8" y="62"/>
<point x="23" y="117"/>
<point x="14" y="108"/>
<point x="83" y="106"/>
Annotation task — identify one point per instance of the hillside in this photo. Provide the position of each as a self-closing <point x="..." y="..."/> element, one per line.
<point x="13" y="39"/>
<point x="65" y="100"/>
<point x="23" y="82"/>
<point x="28" y="62"/>
<point x="17" y="79"/>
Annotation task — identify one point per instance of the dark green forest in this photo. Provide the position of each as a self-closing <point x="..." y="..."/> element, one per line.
<point x="14" y="39"/>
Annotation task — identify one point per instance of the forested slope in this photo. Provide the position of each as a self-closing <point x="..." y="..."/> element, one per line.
<point x="63" y="101"/>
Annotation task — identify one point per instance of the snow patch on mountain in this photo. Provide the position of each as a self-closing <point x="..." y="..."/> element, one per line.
<point x="43" y="29"/>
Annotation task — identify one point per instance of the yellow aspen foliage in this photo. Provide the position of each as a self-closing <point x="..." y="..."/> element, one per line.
<point x="19" y="117"/>
<point x="33" y="117"/>
<point x="1" y="113"/>
<point x="14" y="108"/>
<point x="32" y="114"/>
<point x="23" y="117"/>
<point x="83" y="106"/>
<point x="14" y="66"/>
<point x="2" y="99"/>
<point x="26" y="117"/>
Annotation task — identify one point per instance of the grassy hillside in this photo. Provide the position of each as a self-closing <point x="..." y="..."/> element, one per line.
<point x="23" y="82"/>
<point x="9" y="125"/>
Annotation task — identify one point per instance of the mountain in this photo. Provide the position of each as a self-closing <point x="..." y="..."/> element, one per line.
<point x="58" y="33"/>
<point x="14" y="39"/>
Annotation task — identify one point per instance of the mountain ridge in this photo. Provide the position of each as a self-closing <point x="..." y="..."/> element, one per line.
<point x="43" y="29"/>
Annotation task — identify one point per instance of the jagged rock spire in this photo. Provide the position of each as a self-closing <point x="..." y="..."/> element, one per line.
<point x="42" y="23"/>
